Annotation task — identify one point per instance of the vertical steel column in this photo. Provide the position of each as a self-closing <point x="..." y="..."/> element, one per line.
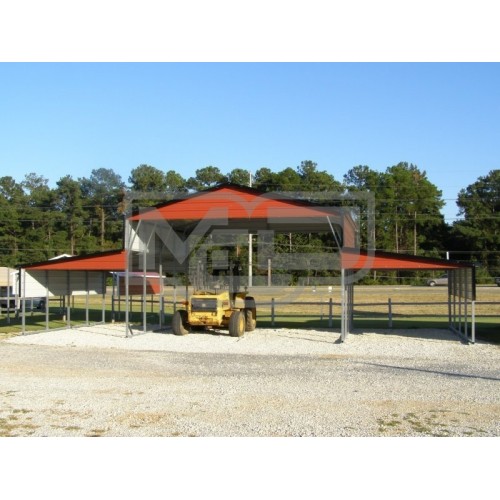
<point x="113" y="292"/>
<point x="250" y="247"/>
<point x="343" y="328"/>
<point x="103" y="318"/>
<point x="351" y="302"/>
<point x="22" y="278"/>
<point x="389" y="304"/>
<point x="127" y="259"/>
<point x="450" y="282"/>
<point x="68" y="306"/>
<point x="47" y="297"/>
<point x="454" y="300"/>
<point x="460" y="300"/>
<point x="87" y="292"/>
<point x="463" y="273"/>
<point x="473" y="320"/>
<point x="250" y="260"/>
<point x="161" y="318"/>
<point x="8" y="295"/>
<point x="187" y="279"/>
<point x="349" y="310"/>
<point x="144" y="284"/>
<point x="330" y="313"/>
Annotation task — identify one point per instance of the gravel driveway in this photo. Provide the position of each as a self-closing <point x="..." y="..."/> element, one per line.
<point x="271" y="382"/>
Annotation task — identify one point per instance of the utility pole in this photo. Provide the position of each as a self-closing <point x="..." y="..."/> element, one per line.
<point x="249" y="241"/>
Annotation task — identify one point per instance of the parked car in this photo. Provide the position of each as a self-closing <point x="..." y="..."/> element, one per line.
<point x="442" y="280"/>
<point x="497" y="281"/>
<point x="33" y="304"/>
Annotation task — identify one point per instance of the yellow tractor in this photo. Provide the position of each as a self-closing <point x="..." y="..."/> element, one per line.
<point x="233" y="310"/>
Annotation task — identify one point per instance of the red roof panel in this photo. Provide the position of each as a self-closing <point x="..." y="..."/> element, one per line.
<point x="233" y="203"/>
<point x="105" y="261"/>
<point x="361" y="259"/>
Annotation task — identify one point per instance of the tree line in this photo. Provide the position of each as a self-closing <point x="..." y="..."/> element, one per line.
<point x="85" y="215"/>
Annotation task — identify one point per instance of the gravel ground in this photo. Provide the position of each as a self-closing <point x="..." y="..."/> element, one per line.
<point x="272" y="382"/>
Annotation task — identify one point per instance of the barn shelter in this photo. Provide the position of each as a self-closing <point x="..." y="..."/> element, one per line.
<point x="461" y="283"/>
<point x="68" y="277"/>
<point x="223" y="237"/>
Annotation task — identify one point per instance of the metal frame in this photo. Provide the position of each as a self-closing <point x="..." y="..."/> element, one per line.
<point x="461" y="293"/>
<point x="460" y="287"/>
<point x="347" y="303"/>
<point x="65" y="298"/>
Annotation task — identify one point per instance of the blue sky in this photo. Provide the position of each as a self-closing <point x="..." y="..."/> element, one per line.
<point x="70" y="118"/>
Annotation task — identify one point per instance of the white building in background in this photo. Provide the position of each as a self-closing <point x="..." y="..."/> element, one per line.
<point x="9" y="291"/>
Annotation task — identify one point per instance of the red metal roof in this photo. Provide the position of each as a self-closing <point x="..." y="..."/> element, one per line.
<point x="234" y="202"/>
<point x="106" y="261"/>
<point x="237" y="202"/>
<point x="361" y="259"/>
<point x="350" y="258"/>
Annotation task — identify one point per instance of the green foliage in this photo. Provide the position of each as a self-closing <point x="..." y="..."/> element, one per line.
<point x="146" y="178"/>
<point x="407" y="207"/>
<point x="206" y="178"/>
<point x="313" y="180"/>
<point x="479" y="231"/>
<point x="104" y="193"/>
<point x="86" y="215"/>
<point x="265" y="179"/>
<point x="175" y="183"/>
<point x="12" y="204"/>
<point x="239" y="176"/>
<point x="70" y="204"/>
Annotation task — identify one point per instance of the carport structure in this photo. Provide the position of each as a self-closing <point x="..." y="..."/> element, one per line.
<point x="461" y="284"/>
<point x="202" y="237"/>
<point x="66" y="277"/>
<point x="199" y="240"/>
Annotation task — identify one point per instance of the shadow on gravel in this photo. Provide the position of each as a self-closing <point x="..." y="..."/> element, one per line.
<point x="448" y="374"/>
<point x="415" y="333"/>
<point x="316" y="341"/>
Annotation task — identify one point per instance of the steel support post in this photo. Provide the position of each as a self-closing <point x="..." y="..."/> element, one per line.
<point x="463" y="273"/>
<point x="103" y="297"/>
<point x="8" y="296"/>
<point x="330" y="313"/>
<point x="272" y="311"/>
<point x="343" y="332"/>
<point x="161" y="316"/>
<point x="473" y="322"/>
<point x="144" y="286"/>
<point x="22" y="278"/>
<point x="351" y="303"/>
<point x="47" y="297"/>
<point x="68" y="305"/>
<point x="87" y="292"/>
<point x="389" y="304"/>
<point x="127" y="265"/>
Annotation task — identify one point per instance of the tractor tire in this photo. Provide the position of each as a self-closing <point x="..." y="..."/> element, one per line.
<point x="180" y="324"/>
<point x="250" y="303"/>
<point x="237" y="324"/>
<point x="250" y="314"/>
<point x="250" y="319"/>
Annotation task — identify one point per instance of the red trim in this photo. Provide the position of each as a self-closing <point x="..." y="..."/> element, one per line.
<point x="237" y="202"/>
<point x="106" y="261"/>
<point x="233" y="202"/>
<point x="361" y="259"/>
